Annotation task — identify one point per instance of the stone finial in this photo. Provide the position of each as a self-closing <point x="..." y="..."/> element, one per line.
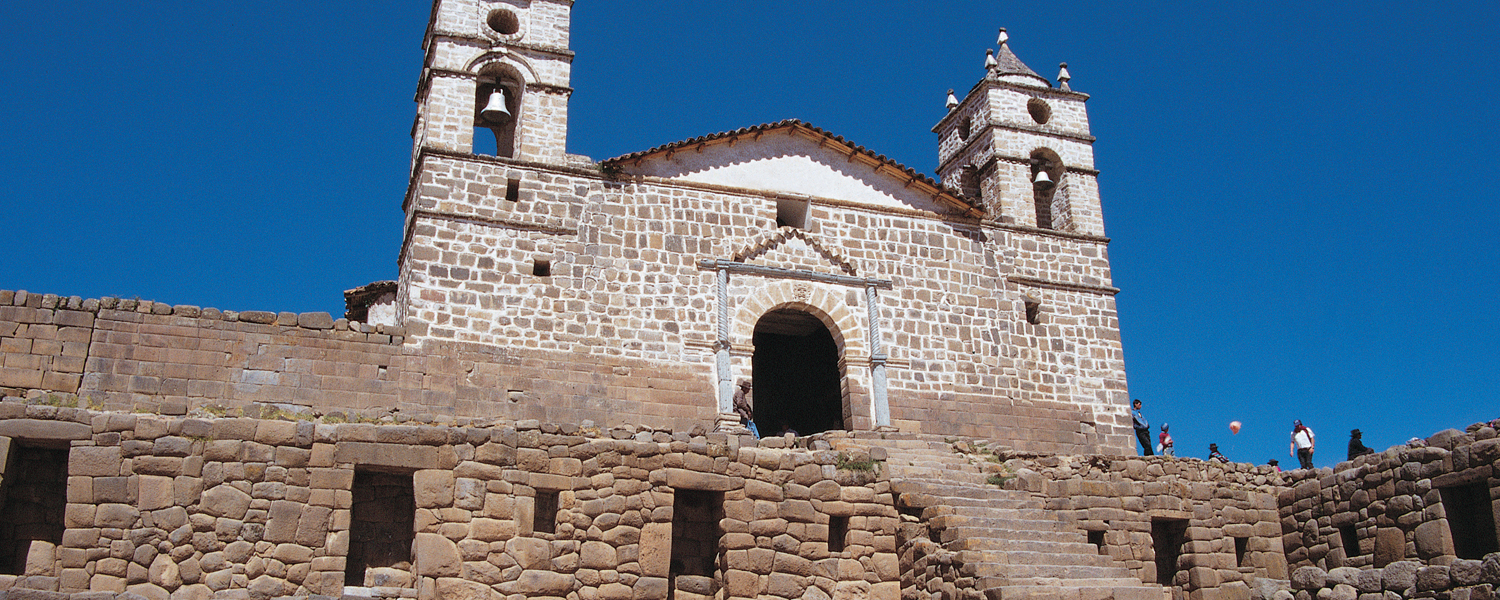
<point x="989" y="60"/>
<point x="1063" y="76"/>
<point x="952" y="100"/>
<point x="1004" y="37"/>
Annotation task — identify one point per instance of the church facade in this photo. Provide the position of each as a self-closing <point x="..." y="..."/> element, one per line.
<point x="853" y="292"/>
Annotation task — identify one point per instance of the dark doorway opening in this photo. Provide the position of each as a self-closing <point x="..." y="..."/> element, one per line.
<point x="381" y="530"/>
<point x="544" y="511"/>
<point x="798" y="381"/>
<point x="1349" y="537"/>
<point x="1471" y="519"/>
<point x="32" y="501"/>
<point x="695" y="568"/>
<point x="1167" y="536"/>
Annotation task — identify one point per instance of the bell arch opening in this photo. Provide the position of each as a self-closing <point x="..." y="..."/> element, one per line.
<point x="798" y="376"/>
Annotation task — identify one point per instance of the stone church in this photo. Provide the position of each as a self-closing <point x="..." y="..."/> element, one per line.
<point x="854" y="292"/>
<point x="542" y="405"/>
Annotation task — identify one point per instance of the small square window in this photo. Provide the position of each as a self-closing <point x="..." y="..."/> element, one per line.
<point x="513" y="190"/>
<point x="791" y="213"/>
<point x="541" y="268"/>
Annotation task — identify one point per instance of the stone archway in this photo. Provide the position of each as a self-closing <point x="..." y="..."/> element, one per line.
<point x="798" y="372"/>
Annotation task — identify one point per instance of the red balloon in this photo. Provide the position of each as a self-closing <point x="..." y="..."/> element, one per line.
<point x="1234" y="426"/>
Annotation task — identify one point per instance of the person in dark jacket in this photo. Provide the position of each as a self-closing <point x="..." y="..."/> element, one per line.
<point x="1357" y="446"/>
<point x="1142" y="428"/>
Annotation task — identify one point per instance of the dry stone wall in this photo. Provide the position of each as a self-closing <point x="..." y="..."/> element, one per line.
<point x="1219" y="520"/>
<point x="1432" y="501"/>
<point x="186" y="507"/>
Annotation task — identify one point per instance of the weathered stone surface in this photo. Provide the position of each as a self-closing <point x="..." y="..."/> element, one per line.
<point x="692" y="480"/>
<point x="1433" y="540"/>
<point x="44" y="430"/>
<point x="436" y="556"/>
<point x="225" y="501"/>
<point x="1466" y="572"/>
<point x="1308" y="578"/>
<point x="449" y="588"/>
<point x="94" y="461"/>
<point x="544" y="583"/>
<point x="1390" y="546"/>
<point x="1400" y="575"/>
<point x="1433" y="577"/>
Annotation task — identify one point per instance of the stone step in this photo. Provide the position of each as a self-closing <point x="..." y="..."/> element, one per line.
<point x="1016" y="571"/>
<point x="999" y="554"/>
<point x="1017" y="535"/>
<point x="1024" y="542"/>
<point x="948" y="489"/>
<point x="967" y="506"/>
<point x="1069" y="590"/>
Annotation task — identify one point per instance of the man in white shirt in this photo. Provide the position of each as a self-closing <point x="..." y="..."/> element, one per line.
<point x="1302" y="444"/>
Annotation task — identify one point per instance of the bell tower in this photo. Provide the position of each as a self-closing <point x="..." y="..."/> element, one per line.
<point x="496" y="77"/>
<point x="1022" y="147"/>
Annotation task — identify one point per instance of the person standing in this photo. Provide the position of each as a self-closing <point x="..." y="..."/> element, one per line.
<point x="743" y="408"/>
<point x="1142" y="428"/>
<point x="1303" y="443"/>
<point x="1164" y="442"/>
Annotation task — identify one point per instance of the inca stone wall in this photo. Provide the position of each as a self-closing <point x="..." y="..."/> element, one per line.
<point x="1227" y="515"/>
<point x="234" y="507"/>
<point x="1427" y="501"/>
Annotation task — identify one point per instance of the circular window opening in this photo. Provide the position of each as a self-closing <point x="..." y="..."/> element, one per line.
<point x="504" y="22"/>
<point x="1040" y="111"/>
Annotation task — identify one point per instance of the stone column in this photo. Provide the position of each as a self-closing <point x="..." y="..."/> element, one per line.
<point x="727" y="420"/>
<point x="880" y="408"/>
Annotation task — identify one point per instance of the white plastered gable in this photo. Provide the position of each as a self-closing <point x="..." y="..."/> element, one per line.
<point x="787" y="162"/>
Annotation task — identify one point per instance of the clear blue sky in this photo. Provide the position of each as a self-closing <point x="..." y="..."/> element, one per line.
<point x="1299" y="194"/>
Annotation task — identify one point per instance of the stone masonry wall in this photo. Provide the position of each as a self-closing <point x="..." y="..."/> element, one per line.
<point x="625" y="285"/>
<point x="189" y="507"/>
<point x="1391" y="504"/>
<point x="1228" y="512"/>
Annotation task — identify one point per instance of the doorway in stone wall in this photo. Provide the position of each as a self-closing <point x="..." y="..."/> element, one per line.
<point x="798" y="379"/>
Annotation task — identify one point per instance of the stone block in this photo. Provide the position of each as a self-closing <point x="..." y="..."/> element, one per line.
<point x="433" y="488"/>
<point x="225" y="501"/>
<point x="1433" y="539"/>
<point x="155" y="492"/>
<point x="94" y="461"/>
<point x="1309" y="578"/>
<point x="436" y="556"/>
<point x="1432" y="578"/>
<point x="1390" y="546"/>
<point x="386" y="455"/>
<point x="691" y="480"/>
<point x="1400" y="575"/>
<point x="285" y="516"/>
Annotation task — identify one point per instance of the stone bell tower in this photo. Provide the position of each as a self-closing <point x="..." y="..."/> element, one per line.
<point x="492" y="120"/>
<point x="1022" y="147"/>
<point x="496" y="68"/>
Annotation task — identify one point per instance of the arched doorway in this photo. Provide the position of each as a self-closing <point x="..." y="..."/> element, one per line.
<point x="798" y="382"/>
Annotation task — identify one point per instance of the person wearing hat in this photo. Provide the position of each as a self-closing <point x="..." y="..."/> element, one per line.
<point x="1214" y="454"/>
<point x="1357" y="446"/>
<point x="1164" y="442"/>
<point x="1274" y="463"/>
<point x="1303" y="443"/>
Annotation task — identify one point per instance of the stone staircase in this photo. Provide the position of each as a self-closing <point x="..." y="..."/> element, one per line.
<point x="1012" y="546"/>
